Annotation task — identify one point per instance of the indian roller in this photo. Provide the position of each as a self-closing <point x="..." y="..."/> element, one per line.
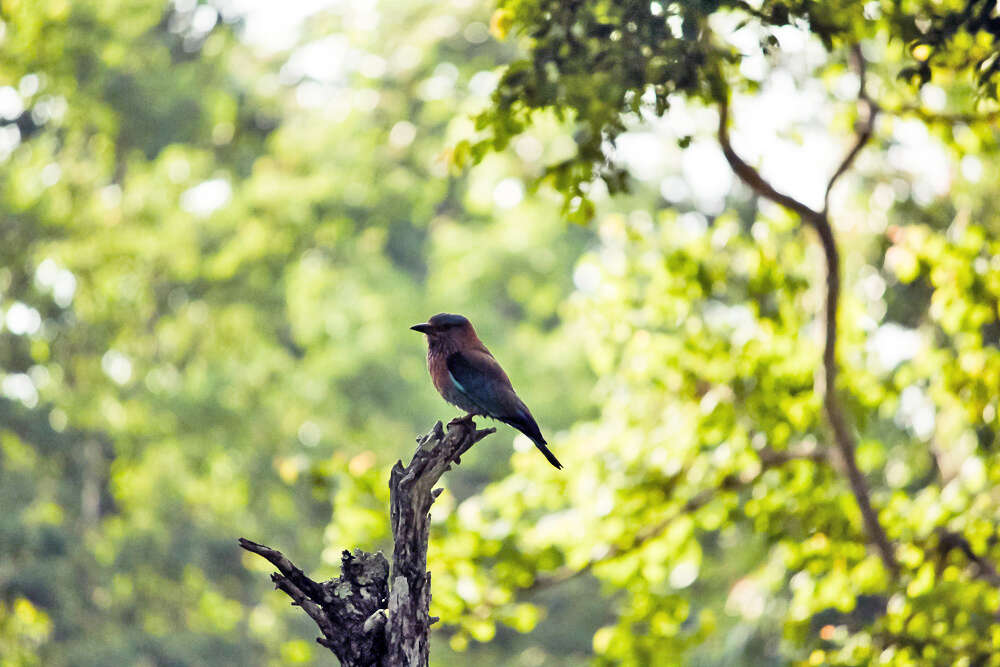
<point x="466" y="375"/>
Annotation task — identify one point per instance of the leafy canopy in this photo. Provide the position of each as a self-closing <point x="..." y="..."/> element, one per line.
<point x="711" y="447"/>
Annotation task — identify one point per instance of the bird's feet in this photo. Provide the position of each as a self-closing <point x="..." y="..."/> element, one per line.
<point x="467" y="420"/>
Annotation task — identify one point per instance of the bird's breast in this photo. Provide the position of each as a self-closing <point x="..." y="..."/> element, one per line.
<point x="437" y="364"/>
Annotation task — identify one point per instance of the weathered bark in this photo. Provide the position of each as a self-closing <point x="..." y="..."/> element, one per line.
<point x="365" y="621"/>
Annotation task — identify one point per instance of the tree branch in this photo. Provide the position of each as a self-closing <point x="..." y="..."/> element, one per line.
<point x="752" y="178"/>
<point x="867" y="111"/>
<point x="943" y="118"/>
<point x="949" y="540"/>
<point x="410" y="498"/>
<point x="769" y="458"/>
<point x="342" y="607"/>
<point x="695" y="503"/>
<point x="365" y="621"/>
<point x="827" y="374"/>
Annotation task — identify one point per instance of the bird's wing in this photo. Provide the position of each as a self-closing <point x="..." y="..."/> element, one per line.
<point x="481" y="379"/>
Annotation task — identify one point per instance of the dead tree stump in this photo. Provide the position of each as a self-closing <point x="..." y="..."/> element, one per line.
<point x="368" y="617"/>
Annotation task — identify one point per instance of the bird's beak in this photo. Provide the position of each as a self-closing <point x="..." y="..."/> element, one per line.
<point x="423" y="328"/>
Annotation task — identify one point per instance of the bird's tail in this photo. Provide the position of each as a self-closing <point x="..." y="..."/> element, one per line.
<point x="548" y="454"/>
<point x="526" y="424"/>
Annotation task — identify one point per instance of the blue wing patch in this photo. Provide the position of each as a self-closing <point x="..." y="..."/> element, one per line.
<point x="457" y="383"/>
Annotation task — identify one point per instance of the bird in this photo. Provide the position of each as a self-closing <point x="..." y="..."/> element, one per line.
<point x="466" y="375"/>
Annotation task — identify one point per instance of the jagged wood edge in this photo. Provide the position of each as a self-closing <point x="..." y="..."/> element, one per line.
<point x="365" y="621"/>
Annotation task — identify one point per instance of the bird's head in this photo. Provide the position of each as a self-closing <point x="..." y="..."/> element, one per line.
<point x="446" y="326"/>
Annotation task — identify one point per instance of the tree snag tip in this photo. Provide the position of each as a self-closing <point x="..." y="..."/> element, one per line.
<point x="366" y="622"/>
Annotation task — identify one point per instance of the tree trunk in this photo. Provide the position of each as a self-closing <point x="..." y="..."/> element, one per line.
<point x="365" y="621"/>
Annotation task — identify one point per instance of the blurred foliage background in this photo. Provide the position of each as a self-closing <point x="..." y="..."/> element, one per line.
<point x="218" y="220"/>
